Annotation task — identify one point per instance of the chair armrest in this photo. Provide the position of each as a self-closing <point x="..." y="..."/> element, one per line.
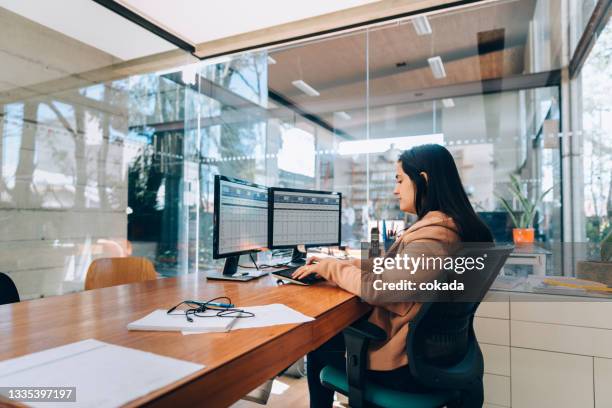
<point x="357" y="337"/>
<point x="365" y="330"/>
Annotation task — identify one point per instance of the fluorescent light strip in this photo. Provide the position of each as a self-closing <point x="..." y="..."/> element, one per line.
<point x="304" y="87"/>
<point x="437" y="67"/>
<point x="354" y="147"/>
<point x="421" y="25"/>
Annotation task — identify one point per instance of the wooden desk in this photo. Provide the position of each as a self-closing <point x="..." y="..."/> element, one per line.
<point x="236" y="362"/>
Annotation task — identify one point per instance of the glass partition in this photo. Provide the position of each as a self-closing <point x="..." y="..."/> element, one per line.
<point x="121" y="162"/>
<point x="596" y="142"/>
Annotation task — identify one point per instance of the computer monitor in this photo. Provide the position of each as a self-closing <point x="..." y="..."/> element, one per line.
<point x="240" y="220"/>
<point x="303" y="217"/>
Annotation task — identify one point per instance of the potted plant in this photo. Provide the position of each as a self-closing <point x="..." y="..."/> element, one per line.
<point x="523" y="232"/>
<point x="598" y="271"/>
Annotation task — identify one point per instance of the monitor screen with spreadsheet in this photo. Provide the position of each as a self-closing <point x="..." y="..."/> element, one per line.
<point x="303" y="217"/>
<point x="240" y="218"/>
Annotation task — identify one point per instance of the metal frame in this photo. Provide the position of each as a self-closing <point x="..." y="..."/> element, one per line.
<point x="599" y="18"/>
<point x="570" y="148"/>
<point x="146" y="24"/>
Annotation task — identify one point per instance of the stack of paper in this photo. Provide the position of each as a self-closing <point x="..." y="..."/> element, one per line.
<point x="268" y="315"/>
<point x="104" y="375"/>
<point x="159" y="320"/>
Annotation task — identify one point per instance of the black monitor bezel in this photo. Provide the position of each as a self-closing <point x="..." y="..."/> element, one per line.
<point x="217" y="202"/>
<point x="271" y="191"/>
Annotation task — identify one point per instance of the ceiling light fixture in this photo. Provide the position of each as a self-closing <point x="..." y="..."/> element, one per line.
<point x="304" y="87"/>
<point x="448" y="102"/>
<point x="421" y="25"/>
<point x="437" y="67"/>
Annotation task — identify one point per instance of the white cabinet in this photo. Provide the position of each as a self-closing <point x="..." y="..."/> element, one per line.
<point x="562" y="338"/>
<point x="603" y="382"/>
<point x="492" y="331"/>
<point x="496" y="358"/>
<point x="562" y="310"/>
<point x="545" y="351"/>
<point x="542" y="379"/>
<point x="496" y="390"/>
<point x="496" y="305"/>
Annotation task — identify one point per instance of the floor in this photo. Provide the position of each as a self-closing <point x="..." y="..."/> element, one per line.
<point x="287" y="392"/>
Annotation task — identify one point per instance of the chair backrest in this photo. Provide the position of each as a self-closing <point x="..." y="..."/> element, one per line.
<point x="105" y="272"/>
<point x="8" y="290"/>
<point x="442" y="348"/>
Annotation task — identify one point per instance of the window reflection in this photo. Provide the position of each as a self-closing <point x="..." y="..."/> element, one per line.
<point x="125" y="166"/>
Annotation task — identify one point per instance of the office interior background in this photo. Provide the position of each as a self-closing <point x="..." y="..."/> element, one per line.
<point x="109" y="143"/>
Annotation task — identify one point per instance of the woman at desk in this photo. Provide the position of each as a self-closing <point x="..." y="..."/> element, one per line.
<point x="428" y="185"/>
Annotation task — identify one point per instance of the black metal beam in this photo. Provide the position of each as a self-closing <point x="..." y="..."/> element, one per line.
<point x="597" y="22"/>
<point x="146" y="24"/>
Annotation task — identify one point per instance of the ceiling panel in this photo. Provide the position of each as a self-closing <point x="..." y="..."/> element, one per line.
<point x="91" y="24"/>
<point x="201" y="21"/>
<point x="475" y="43"/>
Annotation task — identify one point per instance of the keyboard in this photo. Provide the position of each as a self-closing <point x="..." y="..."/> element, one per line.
<point x="286" y="275"/>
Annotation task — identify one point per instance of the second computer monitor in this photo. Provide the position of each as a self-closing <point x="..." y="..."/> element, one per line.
<point x="303" y="217"/>
<point x="240" y="220"/>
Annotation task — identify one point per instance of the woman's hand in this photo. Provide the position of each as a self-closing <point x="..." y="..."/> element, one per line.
<point x="313" y="260"/>
<point x="314" y="266"/>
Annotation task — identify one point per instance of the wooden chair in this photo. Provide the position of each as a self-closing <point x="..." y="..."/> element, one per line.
<point x="105" y="272"/>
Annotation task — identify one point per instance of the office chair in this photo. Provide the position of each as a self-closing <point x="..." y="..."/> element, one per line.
<point x="105" y="272"/>
<point x="8" y="290"/>
<point x="443" y="352"/>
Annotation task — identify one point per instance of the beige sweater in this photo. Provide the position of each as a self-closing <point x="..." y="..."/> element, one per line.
<point x="434" y="227"/>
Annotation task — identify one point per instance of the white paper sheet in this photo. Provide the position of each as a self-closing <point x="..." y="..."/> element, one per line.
<point x="159" y="320"/>
<point x="267" y="315"/>
<point x="104" y="375"/>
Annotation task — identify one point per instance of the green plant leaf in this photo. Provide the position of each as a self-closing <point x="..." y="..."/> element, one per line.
<point x="537" y="204"/>
<point x="508" y="208"/>
<point x="515" y="189"/>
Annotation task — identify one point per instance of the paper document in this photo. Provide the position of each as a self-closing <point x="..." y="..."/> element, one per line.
<point x="159" y="320"/>
<point x="104" y="375"/>
<point x="268" y="315"/>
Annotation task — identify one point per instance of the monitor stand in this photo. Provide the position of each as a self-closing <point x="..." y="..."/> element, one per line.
<point x="298" y="258"/>
<point x="231" y="265"/>
<point x="230" y="271"/>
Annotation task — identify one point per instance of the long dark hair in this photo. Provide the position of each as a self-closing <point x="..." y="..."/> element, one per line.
<point x="442" y="191"/>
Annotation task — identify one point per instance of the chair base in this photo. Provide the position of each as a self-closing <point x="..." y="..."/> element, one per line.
<point x="379" y="396"/>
